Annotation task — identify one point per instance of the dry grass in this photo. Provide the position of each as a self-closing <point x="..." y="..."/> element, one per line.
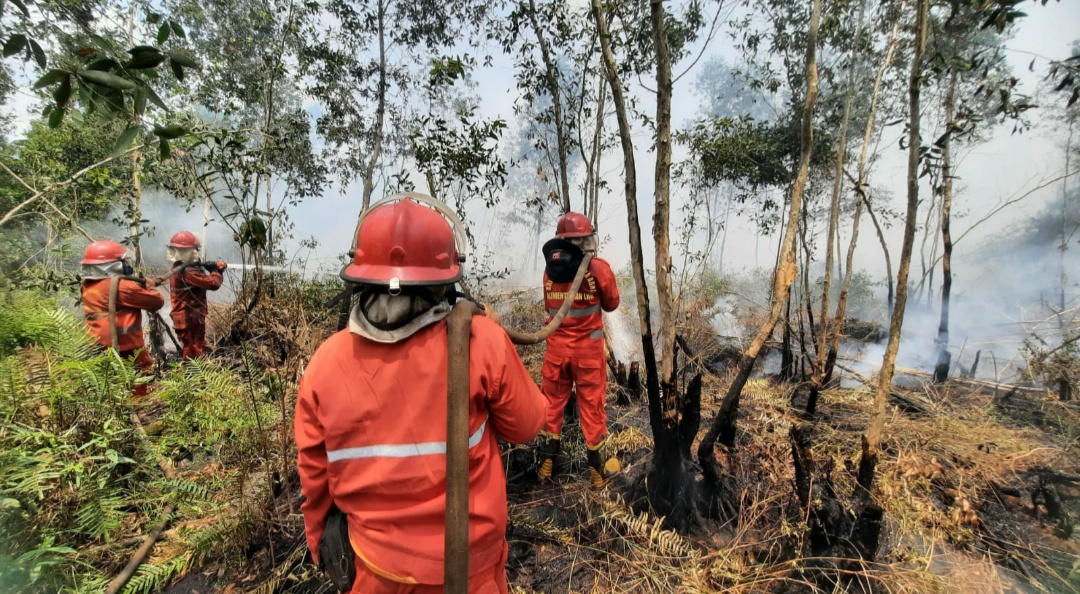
<point x="948" y="527"/>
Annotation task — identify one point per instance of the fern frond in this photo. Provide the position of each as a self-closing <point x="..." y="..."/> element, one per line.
<point x="152" y="577"/>
<point x="647" y="531"/>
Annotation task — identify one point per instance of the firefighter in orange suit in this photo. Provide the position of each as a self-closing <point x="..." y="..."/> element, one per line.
<point x="575" y="352"/>
<point x="102" y="261"/>
<point x="187" y="290"/>
<point x="370" y="419"/>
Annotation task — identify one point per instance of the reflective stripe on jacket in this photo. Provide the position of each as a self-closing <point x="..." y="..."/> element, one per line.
<point x="131" y="299"/>
<point x="370" y="428"/>
<point x="584" y="324"/>
<point x="188" y="295"/>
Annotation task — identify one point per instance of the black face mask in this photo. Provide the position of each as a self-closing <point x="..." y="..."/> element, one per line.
<point x="562" y="258"/>
<point x="127" y="268"/>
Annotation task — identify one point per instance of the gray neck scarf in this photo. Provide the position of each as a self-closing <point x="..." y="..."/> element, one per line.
<point x="390" y="309"/>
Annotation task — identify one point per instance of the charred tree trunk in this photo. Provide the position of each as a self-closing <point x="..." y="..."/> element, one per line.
<point x="668" y="489"/>
<point x="941" y="370"/>
<point x="871" y="442"/>
<point x="551" y="78"/>
<point x="670" y="483"/>
<point x="723" y="426"/>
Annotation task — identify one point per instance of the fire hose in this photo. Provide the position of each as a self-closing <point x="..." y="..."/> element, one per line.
<point x="523" y="338"/>
<point x="456" y="569"/>
<point x="114" y="290"/>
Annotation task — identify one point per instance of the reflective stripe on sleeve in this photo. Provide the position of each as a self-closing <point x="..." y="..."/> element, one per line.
<point x="402" y="450"/>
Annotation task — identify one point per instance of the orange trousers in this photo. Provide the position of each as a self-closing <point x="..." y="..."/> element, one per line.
<point x="193" y="337"/>
<point x="140" y="357"/>
<point x="562" y="372"/>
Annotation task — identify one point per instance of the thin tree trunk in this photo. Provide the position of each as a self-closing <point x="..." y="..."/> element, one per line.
<point x="884" y="250"/>
<point x="1064" y="221"/>
<point x="723" y="426"/>
<point x="380" y="114"/>
<point x="206" y="223"/>
<point x="136" y="209"/>
<point x="593" y="195"/>
<point x="871" y="442"/>
<point x="941" y="370"/>
<point x="834" y="222"/>
<point x="860" y="182"/>
<point x="661" y="218"/>
<point x="611" y="72"/>
<point x="552" y="80"/>
<point x="136" y="183"/>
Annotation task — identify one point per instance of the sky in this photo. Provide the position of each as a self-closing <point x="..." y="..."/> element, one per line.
<point x="1004" y="166"/>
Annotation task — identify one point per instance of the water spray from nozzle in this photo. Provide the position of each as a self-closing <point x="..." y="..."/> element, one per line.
<point x="252" y="267"/>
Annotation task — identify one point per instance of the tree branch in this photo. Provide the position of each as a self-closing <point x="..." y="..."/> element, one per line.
<point x="41" y="194"/>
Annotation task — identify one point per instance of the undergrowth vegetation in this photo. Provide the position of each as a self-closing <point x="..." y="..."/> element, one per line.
<point x="80" y="482"/>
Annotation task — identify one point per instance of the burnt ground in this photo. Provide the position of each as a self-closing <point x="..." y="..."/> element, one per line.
<point x="977" y="488"/>
<point x="956" y="481"/>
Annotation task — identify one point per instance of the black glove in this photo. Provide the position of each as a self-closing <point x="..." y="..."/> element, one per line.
<point x="210" y="267"/>
<point x="335" y="551"/>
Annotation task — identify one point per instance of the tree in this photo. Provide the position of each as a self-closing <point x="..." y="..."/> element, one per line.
<point x="254" y="86"/>
<point x="723" y="425"/>
<point x="871" y="442"/>
<point x="91" y="77"/>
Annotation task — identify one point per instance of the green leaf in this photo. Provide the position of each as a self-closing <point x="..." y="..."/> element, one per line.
<point x="163" y="33"/>
<point x="153" y="18"/>
<point x="101" y="42"/>
<point x="39" y="54"/>
<point x="51" y="77"/>
<point x="63" y="92"/>
<point x="124" y="142"/>
<point x="183" y="58"/>
<point x="165" y="150"/>
<point x="153" y="97"/>
<point x="14" y="44"/>
<point x="104" y="65"/>
<point x="56" y="117"/>
<point x="144" y="60"/>
<point x="107" y="79"/>
<point x="138" y="49"/>
<point x="177" y="70"/>
<point x="177" y="29"/>
<point x="174" y="131"/>
<point x="140" y="100"/>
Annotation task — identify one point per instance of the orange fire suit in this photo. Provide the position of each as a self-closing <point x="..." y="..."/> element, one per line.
<point x="575" y="352"/>
<point x="188" y="294"/>
<point x="131" y="299"/>
<point x="370" y="428"/>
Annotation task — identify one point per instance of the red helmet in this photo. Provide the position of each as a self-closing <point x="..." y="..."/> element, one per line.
<point x="401" y="243"/>
<point x="574" y="224"/>
<point x="103" y="252"/>
<point x="184" y="239"/>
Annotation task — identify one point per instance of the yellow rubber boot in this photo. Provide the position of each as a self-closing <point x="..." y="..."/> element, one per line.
<point x="550" y="445"/>
<point x="602" y="468"/>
